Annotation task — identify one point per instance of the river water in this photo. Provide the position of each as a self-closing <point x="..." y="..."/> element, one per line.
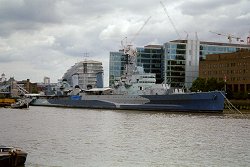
<point x="62" y="137"/>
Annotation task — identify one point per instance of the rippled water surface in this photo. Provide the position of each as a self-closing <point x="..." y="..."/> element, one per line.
<point x="81" y="137"/>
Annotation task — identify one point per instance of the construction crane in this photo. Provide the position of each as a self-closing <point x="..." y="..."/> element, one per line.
<point x="176" y="31"/>
<point x="138" y="32"/>
<point x="229" y="36"/>
<point x="128" y="46"/>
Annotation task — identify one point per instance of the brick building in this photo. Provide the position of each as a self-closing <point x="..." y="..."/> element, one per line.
<point x="28" y="86"/>
<point x="233" y="68"/>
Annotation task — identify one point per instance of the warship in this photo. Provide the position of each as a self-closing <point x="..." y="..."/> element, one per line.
<point x="135" y="90"/>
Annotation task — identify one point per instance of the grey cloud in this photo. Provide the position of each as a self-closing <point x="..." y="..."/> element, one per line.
<point x="8" y="28"/>
<point x="101" y="8"/>
<point x="26" y="15"/>
<point x="201" y="7"/>
<point x="6" y="58"/>
<point x="29" y="10"/>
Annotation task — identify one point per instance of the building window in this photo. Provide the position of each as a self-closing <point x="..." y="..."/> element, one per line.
<point x="242" y="87"/>
<point x="235" y="88"/>
<point x="248" y="87"/>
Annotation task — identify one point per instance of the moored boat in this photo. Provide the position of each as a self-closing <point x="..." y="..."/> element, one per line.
<point x="12" y="156"/>
<point x="21" y="103"/>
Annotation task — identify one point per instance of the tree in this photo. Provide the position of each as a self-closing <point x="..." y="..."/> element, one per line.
<point x="211" y="84"/>
<point x="198" y="85"/>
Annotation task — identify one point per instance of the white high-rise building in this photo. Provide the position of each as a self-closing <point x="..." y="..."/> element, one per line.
<point x="46" y="80"/>
<point x="84" y="74"/>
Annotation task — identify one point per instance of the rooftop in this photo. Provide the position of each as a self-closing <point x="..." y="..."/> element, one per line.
<point x="214" y="43"/>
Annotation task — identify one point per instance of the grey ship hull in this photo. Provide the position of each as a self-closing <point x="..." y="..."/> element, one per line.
<point x="187" y="102"/>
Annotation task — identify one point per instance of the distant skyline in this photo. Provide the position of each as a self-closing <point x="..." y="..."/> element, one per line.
<point x="41" y="38"/>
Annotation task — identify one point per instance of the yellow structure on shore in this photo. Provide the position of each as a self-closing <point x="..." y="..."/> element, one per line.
<point x="6" y="102"/>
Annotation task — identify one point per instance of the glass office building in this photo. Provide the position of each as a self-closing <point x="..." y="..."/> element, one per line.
<point x="174" y="63"/>
<point x="150" y="57"/>
<point x="117" y="62"/>
<point x="207" y="48"/>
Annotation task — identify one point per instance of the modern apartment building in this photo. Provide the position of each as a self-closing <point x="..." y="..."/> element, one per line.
<point x="233" y="68"/>
<point x="181" y="62"/>
<point x="85" y="74"/>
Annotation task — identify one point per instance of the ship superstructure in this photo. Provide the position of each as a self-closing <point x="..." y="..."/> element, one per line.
<point x="135" y="81"/>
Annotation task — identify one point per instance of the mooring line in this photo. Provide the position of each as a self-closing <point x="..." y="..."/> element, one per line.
<point x="231" y="107"/>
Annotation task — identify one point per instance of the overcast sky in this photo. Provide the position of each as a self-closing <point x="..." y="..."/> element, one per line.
<point x="45" y="37"/>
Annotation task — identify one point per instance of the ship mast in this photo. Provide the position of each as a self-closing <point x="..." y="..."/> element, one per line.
<point x="130" y="52"/>
<point x="130" y="66"/>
